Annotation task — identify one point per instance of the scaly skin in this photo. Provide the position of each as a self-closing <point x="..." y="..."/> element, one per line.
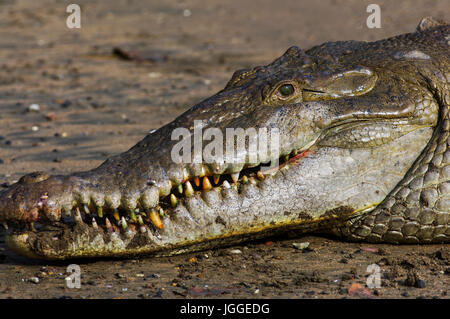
<point x="364" y="155"/>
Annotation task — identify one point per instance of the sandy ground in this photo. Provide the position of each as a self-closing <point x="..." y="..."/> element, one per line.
<point x="93" y="104"/>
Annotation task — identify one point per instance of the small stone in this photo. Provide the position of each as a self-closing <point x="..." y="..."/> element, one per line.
<point x="235" y="251"/>
<point x="34" y="280"/>
<point x="187" y="13"/>
<point x="413" y="280"/>
<point x="63" y="134"/>
<point x="34" y="108"/>
<point x="35" y="128"/>
<point x="344" y="261"/>
<point x="419" y="283"/>
<point x="301" y="246"/>
<point x="154" y="75"/>
<point x="405" y="294"/>
<point x="51" y="116"/>
<point x="66" y="103"/>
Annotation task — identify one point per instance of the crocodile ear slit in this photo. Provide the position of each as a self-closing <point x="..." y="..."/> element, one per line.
<point x="353" y="82"/>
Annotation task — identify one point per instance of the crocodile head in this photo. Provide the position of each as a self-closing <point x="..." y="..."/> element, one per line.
<point x="348" y="120"/>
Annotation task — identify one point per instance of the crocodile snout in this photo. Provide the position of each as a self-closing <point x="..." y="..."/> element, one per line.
<point x="34" y="196"/>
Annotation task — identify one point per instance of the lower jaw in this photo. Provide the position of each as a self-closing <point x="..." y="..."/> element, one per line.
<point x="81" y="241"/>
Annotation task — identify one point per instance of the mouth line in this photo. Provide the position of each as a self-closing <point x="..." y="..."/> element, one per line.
<point x="119" y="220"/>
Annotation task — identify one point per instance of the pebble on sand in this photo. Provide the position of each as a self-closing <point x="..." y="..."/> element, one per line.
<point x="34" y="108"/>
<point x="301" y="246"/>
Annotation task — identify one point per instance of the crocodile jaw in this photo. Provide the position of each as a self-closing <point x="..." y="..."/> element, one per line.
<point x="224" y="216"/>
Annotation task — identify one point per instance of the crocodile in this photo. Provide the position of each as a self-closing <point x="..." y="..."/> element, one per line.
<point x="362" y="154"/>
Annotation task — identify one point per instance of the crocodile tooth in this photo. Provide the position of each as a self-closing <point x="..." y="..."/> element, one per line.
<point x="94" y="223"/>
<point x="140" y="221"/>
<point x="245" y="179"/>
<point x="142" y="229"/>
<point x="100" y="211"/>
<point x="206" y="185"/>
<point x="5" y="225"/>
<point x="185" y="174"/>
<point x="123" y="223"/>
<point x="155" y="219"/>
<point x="116" y="214"/>
<point x="86" y="209"/>
<point x="197" y="181"/>
<point x="235" y="177"/>
<point x="180" y="188"/>
<point x="161" y="212"/>
<point x="77" y="215"/>
<point x="132" y="216"/>
<point x="107" y="223"/>
<point x="216" y="179"/>
<point x="252" y="180"/>
<point x="260" y="175"/>
<point x="286" y="158"/>
<point x="203" y="172"/>
<point x="226" y="184"/>
<point x="189" y="191"/>
<point x="173" y="200"/>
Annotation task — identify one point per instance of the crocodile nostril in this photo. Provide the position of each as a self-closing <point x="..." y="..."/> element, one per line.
<point x="34" y="177"/>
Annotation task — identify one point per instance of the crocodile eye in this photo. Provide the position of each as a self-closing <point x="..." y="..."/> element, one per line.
<point x="282" y="93"/>
<point x="286" y="90"/>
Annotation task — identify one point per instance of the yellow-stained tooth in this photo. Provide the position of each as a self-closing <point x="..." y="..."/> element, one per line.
<point x="216" y="179"/>
<point x="123" y="223"/>
<point x="189" y="190"/>
<point x="180" y="188"/>
<point x="100" y="212"/>
<point x="244" y="179"/>
<point x="197" y="181"/>
<point x="206" y="185"/>
<point x="173" y="200"/>
<point x="132" y="216"/>
<point x="116" y="215"/>
<point x="260" y="175"/>
<point x="94" y="223"/>
<point x="155" y="219"/>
